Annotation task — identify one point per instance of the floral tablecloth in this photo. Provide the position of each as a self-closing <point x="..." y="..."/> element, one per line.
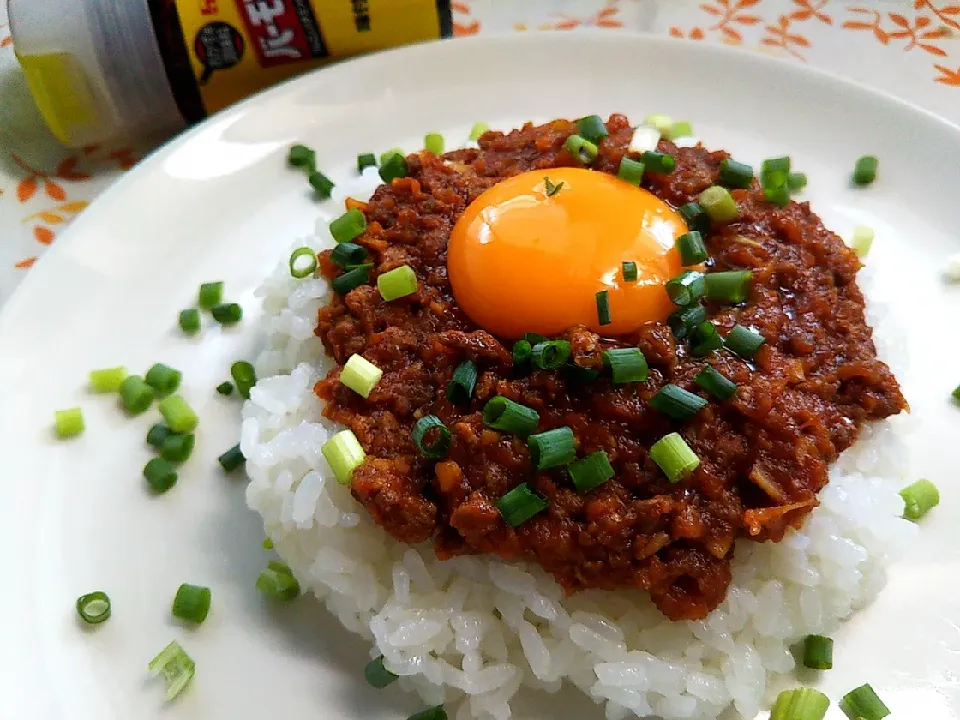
<point x="910" y="48"/>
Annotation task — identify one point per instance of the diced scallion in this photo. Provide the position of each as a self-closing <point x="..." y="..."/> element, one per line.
<point x="645" y="137"/>
<point x="433" y="426"/>
<point x="591" y="472"/>
<point x="521" y="504"/>
<point x="68" y="423"/>
<point x="348" y="254"/>
<point x="348" y="226"/>
<point x="685" y="320"/>
<point x="677" y="403"/>
<point x="157" y="434"/>
<point x="706" y="339"/>
<point x="433" y="142"/>
<point x="796" y="181"/>
<point x="225" y="388"/>
<point x="321" y="184"/>
<point x="818" y="652"/>
<point x="550" y="354"/>
<point x="581" y="149"/>
<point x="163" y="379"/>
<point x="626" y="365"/>
<point x="434" y="713"/>
<point x="191" y="603"/>
<point x="735" y="174"/>
<point x="691" y="248"/>
<point x="377" y="675"/>
<point x="719" y="204"/>
<point x="94" y="608"/>
<point x="301" y="156"/>
<point x="244" y="376"/>
<point x="189" y="321"/>
<point x="629" y="270"/>
<point x="721" y="387"/>
<point x="672" y="454"/>
<point x="107" y="380"/>
<point x="177" y="448"/>
<point x="397" y="283"/>
<point x="919" y="498"/>
<point x="659" y="162"/>
<point x="461" y="386"/>
<point x="351" y="280"/>
<point x="278" y="582"/>
<point x="210" y="295"/>
<point x="178" y="415"/>
<point x="303" y="263"/>
<point x="231" y="459"/>
<point x="662" y="123"/>
<point x="865" y="170"/>
<point x="176" y="667"/>
<point x="344" y="454"/>
<point x="365" y="160"/>
<point x="360" y="375"/>
<point x="393" y="166"/>
<point x="603" y="308"/>
<point x="695" y="217"/>
<point x="135" y="394"/>
<point x="160" y="475"/>
<point x="863" y="703"/>
<point x="227" y="313"/>
<point x="592" y="128"/>
<point x="743" y="341"/>
<point x="800" y="704"/>
<point x="631" y="171"/>
<point x="862" y="240"/>
<point x="730" y="286"/>
<point x="679" y="129"/>
<point x="477" y="130"/>
<point x="505" y="415"/>
<point x="686" y="288"/>
<point x="552" y="448"/>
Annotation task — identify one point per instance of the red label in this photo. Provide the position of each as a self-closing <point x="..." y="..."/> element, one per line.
<point x="283" y="31"/>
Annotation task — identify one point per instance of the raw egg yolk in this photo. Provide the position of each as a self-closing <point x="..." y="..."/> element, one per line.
<point x="522" y="259"/>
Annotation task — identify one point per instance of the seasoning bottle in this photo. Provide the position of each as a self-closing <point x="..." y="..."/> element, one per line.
<point x="101" y="69"/>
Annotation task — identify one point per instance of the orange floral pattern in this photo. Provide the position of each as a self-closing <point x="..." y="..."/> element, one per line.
<point x="605" y="17"/>
<point x="729" y="14"/>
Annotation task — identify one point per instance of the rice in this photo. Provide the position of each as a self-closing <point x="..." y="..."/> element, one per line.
<point x="472" y="632"/>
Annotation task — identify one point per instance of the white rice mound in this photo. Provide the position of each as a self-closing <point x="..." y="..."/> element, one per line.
<point x="471" y="632"/>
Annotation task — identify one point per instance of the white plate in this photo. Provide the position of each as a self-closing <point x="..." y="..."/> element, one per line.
<point x="219" y="203"/>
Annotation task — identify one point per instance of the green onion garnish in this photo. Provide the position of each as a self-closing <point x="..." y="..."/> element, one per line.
<point x="192" y="603"/>
<point x="377" y="675"/>
<point x="477" y="130"/>
<point x="350" y="280"/>
<point x="862" y="240"/>
<point x="680" y="129"/>
<point x="773" y="179"/>
<point x="592" y="128"/>
<point x="735" y="174"/>
<point x="437" y="448"/>
<point x="321" y="184"/>
<point x="550" y="188"/>
<point x="135" y="394"/>
<point x="603" y="307"/>
<point x="365" y="160"/>
<point x="552" y="448"/>
<point x="227" y="313"/>
<point x="107" y="380"/>
<point x="631" y="171"/>
<point x="267" y="544"/>
<point x="691" y="248"/>
<point x="384" y="156"/>
<point x="157" y="434"/>
<point x="550" y="354"/>
<point x="210" y="295"/>
<point x="278" y="582"/>
<point x="800" y="704"/>
<point x="505" y="415"/>
<point x="777" y="164"/>
<point x="796" y="181"/>
<point x="68" y="423"/>
<point x="818" y="652"/>
<point x="189" y="321"/>
<point x="360" y="375"/>
<point x="865" y="170"/>
<point x="301" y="156"/>
<point x="663" y="123"/>
<point x="178" y="415"/>
<point x="919" y="498"/>
<point x="730" y="286"/>
<point x="163" y="379"/>
<point x="685" y="320"/>
<point x="433" y="142"/>
<point x="176" y="667"/>
<point x="863" y="703"/>
<point x="686" y="288"/>
<point x="521" y="352"/>
<point x="716" y="384"/>
<point x="534" y="338"/>
<point x="629" y="269"/>
<point x="233" y="459"/>
<point x="225" y="388"/>
<point x="644" y="138"/>
<point x="94" y="608"/>
<point x="348" y="254"/>
<point x="659" y="162"/>
<point x="177" y="448"/>
<point x="574" y="373"/>
<point x="672" y="454"/>
<point x="392" y="167"/>
<point x="677" y="403"/>
<point x="521" y="504"/>
<point x="397" y="283"/>
<point x="461" y="386"/>
<point x="348" y="226"/>
<point x="591" y="471"/>
<point x="581" y="149"/>
<point x="777" y="196"/>
<point x="695" y="217"/>
<point x="300" y="269"/>
<point x="160" y="475"/>
<point x="743" y="341"/>
<point x="626" y="365"/>
<point x="434" y="713"/>
<point x="719" y="204"/>
<point x="344" y="454"/>
<point x="706" y="339"/>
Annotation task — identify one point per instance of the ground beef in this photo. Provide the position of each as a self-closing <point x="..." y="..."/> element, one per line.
<point x="764" y="453"/>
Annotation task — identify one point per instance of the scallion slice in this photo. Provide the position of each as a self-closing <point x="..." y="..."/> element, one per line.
<point x="677" y="403"/>
<point x="434" y="713"/>
<point x="645" y="137"/>
<point x="189" y="321"/>
<point x="773" y="179"/>
<point x="365" y="160"/>
<point x="176" y="667"/>
<point x="735" y="174"/>
<point x="163" y="379"/>
<point x="301" y="156"/>
<point x="552" y="448"/>
<point x="397" y="283"/>
<point x="377" y="675"/>
<point x="919" y="498"/>
<point x="550" y="188"/>
<point x="348" y="254"/>
<point x="277" y="581"/>
<point x="777" y="196"/>
<point x="135" y="394"/>
<point x="796" y="181"/>
<point x="550" y="354"/>
<point x="178" y="415"/>
<point x="521" y="504"/>
<point x="716" y="384"/>
<point x="743" y="341"/>
<point x="719" y="204"/>
<point x="862" y="240"/>
<point x="348" y="226"/>
<point x="344" y="454"/>
<point x="477" y="130"/>
<point x="626" y="365"/>
<point x="505" y="415"/>
<point x="629" y="270"/>
<point x="581" y="149"/>
<point x="94" y="608"/>
<point x="863" y="703"/>
<point x="522" y="351"/>
<point x="776" y="164"/>
<point x="800" y="704"/>
<point x="659" y="162"/>
<point x="393" y="166"/>
<point x="818" y="652"/>
<point x="160" y="475"/>
<point x="686" y="288"/>
<point x="107" y="380"/>
<point x="695" y="217"/>
<point x="730" y="286"/>
<point x="603" y="308"/>
<point x="210" y="295"/>
<point x="321" y="184"/>
<point x="245" y="377"/>
<point x="706" y="339"/>
<point x="631" y="171"/>
<point x="433" y="142"/>
<point x="685" y="320"/>
<point x="592" y="128"/>
<point x="191" y="603"/>
<point x="591" y="472"/>
<point x="360" y="375"/>
<point x="663" y="123"/>
<point x="460" y="389"/>
<point x="157" y="434"/>
<point x="865" y="170"/>
<point x="303" y="263"/>
<point x="691" y="248"/>
<point x="68" y="423"/>
<point x="177" y="448"/>
<point x="672" y="454"/>
<point x="227" y="313"/>
<point x="575" y="374"/>
<point x="232" y="459"/>
<point x="440" y="445"/>
<point x="351" y="280"/>
<point x="679" y="129"/>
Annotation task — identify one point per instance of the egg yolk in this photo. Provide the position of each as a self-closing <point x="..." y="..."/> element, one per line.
<point x="521" y="259"/>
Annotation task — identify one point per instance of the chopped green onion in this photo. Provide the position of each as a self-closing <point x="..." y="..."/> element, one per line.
<point x="433" y="142"/>
<point x="227" y="313"/>
<point x="348" y="226"/>
<point x="818" y="652"/>
<point x="631" y="171"/>
<point x="919" y="498"/>
<point x="440" y="446"/>
<point x="245" y="377"/>
<point x="672" y="454"/>
<point x="773" y="180"/>
<point x="177" y="448"/>
<point x="663" y="123"/>
<point x="603" y="308"/>
<point x="777" y="164"/>
<point x="552" y="448"/>
<point x="735" y="174"/>
<point x="574" y="373"/>
<point x="461" y="386"/>
<point x="505" y="415"/>
<point x="225" y="388"/>
<point x="189" y="321"/>
<point x="730" y="286"/>
<point x="743" y="341"/>
<point x="863" y="703"/>
<point x="160" y="475"/>
<point x="796" y="181"/>
<point x="163" y="379"/>
<point x="550" y="188"/>
<point x="351" y="280"/>
<point x="68" y="423"/>
<point x="135" y="394"/>
<point x="862" y="240"/>
<point x="179" y="416"/>
<point x="267" y="544"/>
<point x="865" y="170"/>
<point x="233" y="459"/>
<point x="344" y="454"/>
<point x="321" y="184"/>
<point x="626" y="365"/>
<point x="393" y="167"/>
<point x="157" y="434"/>
<point x="534" y="338"/>
<point x="591" y="472"/>
<point x="719" y="204"/>
<point x="521" y="504"/>
<point x="278" y="582"/>
<point x="680" y="129"/>
<point x="365" y="160"/>
<point x="695" y="217"/>
<point x="94" y="608"/>
<point x="434" y="713"/>
<point x="377" y="675"/>
<point x="685" y="320"/>
<point x="629" y="270"/>
<point x="644" y="138"/>
<point x="210" y="295"/>
<point x="348" y="254"/>
<point x="581" y="149"/>
<point x="301" y="270"/>
<point x="176" y="667"/>
<point x="384" y="156"/>
<point x="107" y="379"/>
<point x="706" y="339"/>
<point x="592" y="128"/>
<point x="716" y="384"/>
<point x="659" y="162"/>
<point x="191" y="603"/>
<point x="550" y="354"/>
<point x="677" y="403"/>
<point x="686" y="288"/>
<point x="477" y="130"/>
<point x="301" y="156"/>
<point x="691" y="248"/>
<point x="397" y="283"/>
<point x="521" y="352"/>
<point x="800" y="704"/>
<point x="360" y="375"/>
<point x="777" y="196"/>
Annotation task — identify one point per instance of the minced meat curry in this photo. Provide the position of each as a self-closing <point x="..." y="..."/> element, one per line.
<point x="764" y="453"/>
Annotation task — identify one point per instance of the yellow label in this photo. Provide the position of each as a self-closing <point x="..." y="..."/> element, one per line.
<point x="238" y="47"/>
<point x="62" y="93"/>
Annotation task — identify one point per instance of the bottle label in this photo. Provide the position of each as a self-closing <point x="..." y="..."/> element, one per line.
<point x="238" y="47"/>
